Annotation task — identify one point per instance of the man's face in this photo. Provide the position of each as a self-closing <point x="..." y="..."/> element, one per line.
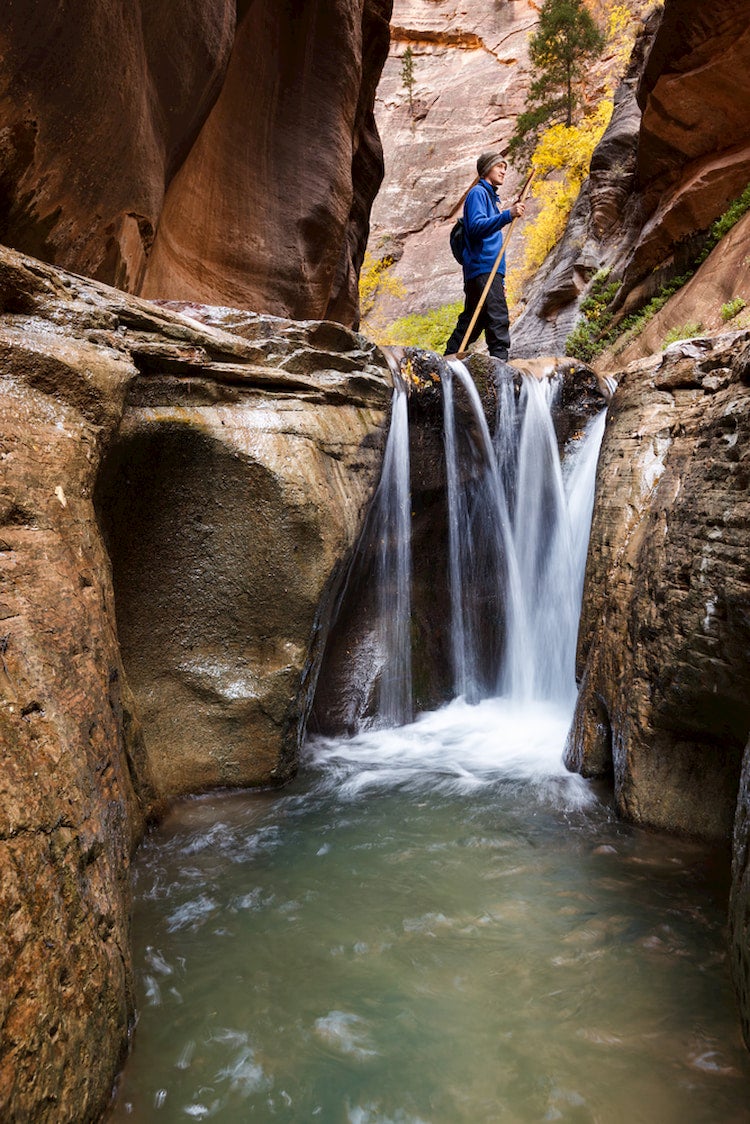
<point x="496" y="174"/>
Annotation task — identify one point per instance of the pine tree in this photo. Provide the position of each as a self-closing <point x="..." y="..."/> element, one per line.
<point x="407" y="76"/>
<point x="565" y="40"/>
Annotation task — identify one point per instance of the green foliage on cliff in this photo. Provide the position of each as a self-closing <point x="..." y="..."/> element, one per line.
<point x="595" y="331"/>
<point x="732" y="308"/>
<point x="725" y="222"/>
<point x="596" y="316"/>
<point x="429" y="329"/>
<point x="683" y="332"/>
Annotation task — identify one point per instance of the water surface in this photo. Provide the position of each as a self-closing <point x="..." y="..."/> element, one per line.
<point x="432" y="924"/>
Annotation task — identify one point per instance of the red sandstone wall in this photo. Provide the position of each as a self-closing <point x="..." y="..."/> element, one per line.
<point x="224" y="152"/>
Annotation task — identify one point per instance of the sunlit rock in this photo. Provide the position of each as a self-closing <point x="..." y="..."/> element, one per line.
<point x="178" y="500"/>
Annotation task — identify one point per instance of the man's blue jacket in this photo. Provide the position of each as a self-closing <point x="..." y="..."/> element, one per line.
<point x="482" y="225"/>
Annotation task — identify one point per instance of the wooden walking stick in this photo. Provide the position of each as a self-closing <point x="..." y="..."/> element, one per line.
<point x="464" y="343"/>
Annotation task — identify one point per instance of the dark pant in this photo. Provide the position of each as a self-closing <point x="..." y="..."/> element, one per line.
<point x="493" y="319"/>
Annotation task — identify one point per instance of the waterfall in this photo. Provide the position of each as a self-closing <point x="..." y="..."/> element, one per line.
<point x="522" y="524"/>
<point x="484" y="574"/>
<point x="517" y="529"/>
<point x="544" y="540"/>
<point x="392" y="506"/>
<point x="458" y="540"/>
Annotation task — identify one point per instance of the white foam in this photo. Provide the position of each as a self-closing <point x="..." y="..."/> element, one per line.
<point x="459" y="747"/>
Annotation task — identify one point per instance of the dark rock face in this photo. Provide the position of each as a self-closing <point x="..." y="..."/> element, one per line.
<point x="228" y="471"/>
<point x="665" y="628"/>
<point x="739" y="903"/>
<point x="192" y="176"/>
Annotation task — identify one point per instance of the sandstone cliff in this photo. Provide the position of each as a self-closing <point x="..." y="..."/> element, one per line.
<point x="471" y="73"/>
<point x="665" y="630"/>
<point x="675" y="155"/>
<point x="165" y="148"/>
<point x="664" y="706"/>
<point x="177" y="500"/>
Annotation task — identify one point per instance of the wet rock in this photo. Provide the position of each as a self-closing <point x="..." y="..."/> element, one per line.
<point x="664" y="634"/>
<point x="175" y="512"/>
<point x="739" y="903"/>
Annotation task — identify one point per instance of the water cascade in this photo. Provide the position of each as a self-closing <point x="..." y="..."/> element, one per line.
<point x="486" y="603"/>
<point x="483" y="568"/>
<point x="550" y="532"/>
<point x="392" y="529"/>
<point x="534" y="557"/>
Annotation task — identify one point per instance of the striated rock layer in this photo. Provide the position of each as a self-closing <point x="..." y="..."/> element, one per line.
<point x="176" y="503"/>
<point x="664" y="702"/>
<point x="665" y="629"/>
<point x="165" y="148"/>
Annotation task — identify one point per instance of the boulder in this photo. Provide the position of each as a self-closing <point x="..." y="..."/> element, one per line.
<point x="178" y="501"/>
<point x="665" y="627"/>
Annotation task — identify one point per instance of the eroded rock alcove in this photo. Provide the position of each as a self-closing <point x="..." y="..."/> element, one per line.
<point x="176" y="652"/>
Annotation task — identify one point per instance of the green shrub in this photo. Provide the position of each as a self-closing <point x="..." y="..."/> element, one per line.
<point x="592" y="333"/>
<point x="732" y="308"/>
<point x="684" y="332"/>
<point x="589" y="336"/>
<point x="429" y="330"/>
<point x="724" y="223"/>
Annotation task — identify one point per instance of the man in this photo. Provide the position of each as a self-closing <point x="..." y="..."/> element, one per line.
<point x="483" y="222"/>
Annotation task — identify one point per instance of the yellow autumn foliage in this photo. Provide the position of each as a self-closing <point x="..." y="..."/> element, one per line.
<point x="375" y="280"/>
<point x="561" y="161"/>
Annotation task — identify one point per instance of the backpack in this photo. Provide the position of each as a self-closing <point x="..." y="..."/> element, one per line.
<point x="457" y="235"/>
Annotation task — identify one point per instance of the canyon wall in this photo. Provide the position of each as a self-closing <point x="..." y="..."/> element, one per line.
<point x="178" y="502"/>
<point x="663" y="708"/>
<point x="665" y="628"/>
<point x="676" y="153"/>
<point x="470" y="77"/>
<point x="166" y="148"/>
<point x="471" y="74"/>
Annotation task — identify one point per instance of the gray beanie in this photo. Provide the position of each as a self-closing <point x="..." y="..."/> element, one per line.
<point x="488" y="160"/>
